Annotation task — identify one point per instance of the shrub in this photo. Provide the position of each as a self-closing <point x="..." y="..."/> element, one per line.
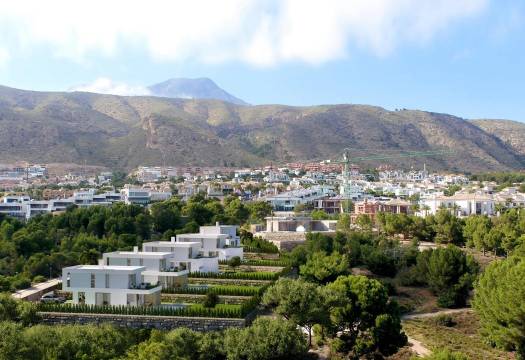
<point x="211" y="300"/>
<point x="231" y="290"/>
<point x="239" y="275"/>
<point x="444" y="320"/>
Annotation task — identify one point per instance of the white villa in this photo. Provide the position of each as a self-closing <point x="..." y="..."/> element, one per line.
<point x="159" y="266"/>
<point x="184" y="256"/>
<point x="218" y="240"/>
<point x="461" y="204"/>
<point x="109" y="285"/>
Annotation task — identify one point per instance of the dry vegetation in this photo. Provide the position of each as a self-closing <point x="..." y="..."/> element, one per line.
<point x="462" y="336"/>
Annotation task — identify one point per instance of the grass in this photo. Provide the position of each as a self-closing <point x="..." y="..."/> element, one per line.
<point x="462" y="337"/>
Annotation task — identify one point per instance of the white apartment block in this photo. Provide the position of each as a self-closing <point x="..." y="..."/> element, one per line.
<point x="459" y="204"/>
<point x="142" y="196"/>
<point x="159" y="266"/>
<point x="218" y="240"/>
<point x="23" y="208"/>
<point x="184" y="256"/>
<point x="109" y="285"/>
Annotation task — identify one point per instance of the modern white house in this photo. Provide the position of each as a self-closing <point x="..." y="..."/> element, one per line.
<point x="160" y="267"/>
<point x="218" y="240"/>
<point x="109" y="285"/>
<point x="184" y="256"/>
<point x="460" y="204"/>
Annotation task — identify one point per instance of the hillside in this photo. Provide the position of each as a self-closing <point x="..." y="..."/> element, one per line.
<point x="510" y="132"/>
<point x="201" y="88"/>
<point x="124" y="132"/>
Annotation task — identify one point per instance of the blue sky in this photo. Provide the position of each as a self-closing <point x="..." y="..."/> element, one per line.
<point x="464" y="57"/>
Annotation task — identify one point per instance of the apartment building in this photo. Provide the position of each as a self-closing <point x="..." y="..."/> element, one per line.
<point x="218" y="240"/>
<point x="109" y="285"/>
<point x="160" y="267"/>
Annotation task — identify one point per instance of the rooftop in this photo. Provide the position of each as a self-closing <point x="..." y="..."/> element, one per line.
<point x="142" y="254"/>
<point x="106" y="268"/>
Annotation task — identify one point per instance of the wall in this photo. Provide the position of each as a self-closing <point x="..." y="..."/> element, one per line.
<point x="141" y="321"/>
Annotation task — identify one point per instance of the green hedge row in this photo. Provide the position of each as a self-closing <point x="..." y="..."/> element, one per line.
<point x="265" y="250"/>
<point x="231" y="290"/>
<point x="220" y="311"/>
<point x="260" y="262"/>
<point x="237" y="275"/>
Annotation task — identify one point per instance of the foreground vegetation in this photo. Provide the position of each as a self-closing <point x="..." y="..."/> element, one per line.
<point x="455" y="332"/>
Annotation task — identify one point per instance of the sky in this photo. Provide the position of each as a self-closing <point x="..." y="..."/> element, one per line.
<point x="462" y="57"/>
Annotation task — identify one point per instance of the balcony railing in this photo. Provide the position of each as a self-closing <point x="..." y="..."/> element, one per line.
<point x="143" y="286"/>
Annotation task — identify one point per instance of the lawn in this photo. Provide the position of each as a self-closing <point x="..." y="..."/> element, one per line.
<point x="462" y="336"/>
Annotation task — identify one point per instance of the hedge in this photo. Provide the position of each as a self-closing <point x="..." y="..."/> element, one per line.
<point x="257" y="262"/>
<point x="220" y="310"/>
<point x="237" y="275"/>
<point x="231" y="290"/>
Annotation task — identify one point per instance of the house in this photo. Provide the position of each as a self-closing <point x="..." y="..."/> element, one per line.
<point x="460" y="204"/>
<point x="218" y="240"/>
<point x="373" y="207"/>
<point x="159" y="266"/>
<point x="287" y="201"/>
<point x="109" y="285"/>
<point x="298" y="224"/>
<point x="184" y="255"/>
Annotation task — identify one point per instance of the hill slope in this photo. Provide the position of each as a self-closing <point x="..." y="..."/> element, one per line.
<point x="125" y="132"/>
<point x="202" y="88"/>
<point x="510" y="132"/>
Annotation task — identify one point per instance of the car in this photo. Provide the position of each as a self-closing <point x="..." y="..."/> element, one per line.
<point x="52" y="298"/>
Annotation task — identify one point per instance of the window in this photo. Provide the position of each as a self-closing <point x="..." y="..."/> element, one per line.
<point x="68" y="280"/>
<point x="92" y="280"/>
<point x="107" y="281"/>
<point x="141" y="261"/>
<point x="128" y="262"/>
<point x="132" y="281"/>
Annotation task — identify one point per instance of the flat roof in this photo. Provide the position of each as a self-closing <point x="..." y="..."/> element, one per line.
<point x="106" y="268"/>
<point x="139" y="254"/>
<point x="172" y="243"/>
<point x="203" y="236"/>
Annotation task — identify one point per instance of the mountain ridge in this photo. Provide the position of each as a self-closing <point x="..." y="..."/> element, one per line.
<point x="197" y="88"/>
<point x="124" y="132"/>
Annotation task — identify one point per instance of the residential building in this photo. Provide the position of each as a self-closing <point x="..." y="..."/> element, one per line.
<point x="159" y="266"/>
<point x="460" y="204"/>
<point x="185" y="255"/>
<point x="287" y="201"/>
<point x="109" y="285"/>
<point x="218" y="240"/>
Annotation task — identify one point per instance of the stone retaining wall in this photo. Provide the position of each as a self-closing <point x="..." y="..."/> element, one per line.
<point x="143" y="321"/>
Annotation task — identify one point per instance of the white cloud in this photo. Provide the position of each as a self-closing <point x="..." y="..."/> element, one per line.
<point x="4" y="57"/>
<point x="256" y="32"/>
<point x="108" y="86"/>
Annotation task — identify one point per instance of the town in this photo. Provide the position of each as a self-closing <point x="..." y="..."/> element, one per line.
<point x="210" y="249"/>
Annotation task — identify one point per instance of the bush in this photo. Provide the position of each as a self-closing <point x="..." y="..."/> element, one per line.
<point x="197" y="310"/>
<point x="234" y="262"/>
<point x="231" y="290"/>
<point x="211" y="300"/>
<point x="409" y="277"/>
<point x="444" y="320"/>
<point x="239" y="275"/>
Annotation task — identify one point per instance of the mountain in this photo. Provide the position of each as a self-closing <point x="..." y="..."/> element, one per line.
<point x="510" y="132"/>
<point x="202" y="88"/>
<point x="124" y="132"/>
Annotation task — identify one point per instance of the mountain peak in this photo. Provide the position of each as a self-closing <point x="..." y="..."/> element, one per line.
<point x="198" y="88"/>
